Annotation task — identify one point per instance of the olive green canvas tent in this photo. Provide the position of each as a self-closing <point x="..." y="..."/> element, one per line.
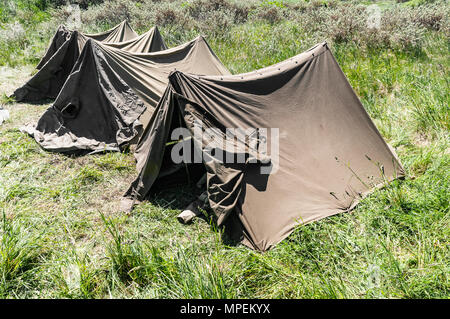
<point x="111" y="93"/>
<point x="320" y="155"/>
<point x="65" y="50"/>
<point x="121" y="32"/>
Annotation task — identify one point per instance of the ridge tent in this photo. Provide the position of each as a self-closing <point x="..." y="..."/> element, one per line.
<point x="121" y="32"/>
<point x="111" y="94"/>
<point x="330" y="153"/>
<point x="48" y="81"/>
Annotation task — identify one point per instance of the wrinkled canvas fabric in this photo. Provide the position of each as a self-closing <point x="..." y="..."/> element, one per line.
<point x="50" y="78"/>
<point x="111" y="93"/>
<point x="330" y="152"/>
<point x="121" y="32"/>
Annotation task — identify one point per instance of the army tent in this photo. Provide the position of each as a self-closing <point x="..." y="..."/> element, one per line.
<point x="111" y="95"/>
<point x="119" y="33"/>
<point x="322" y="155"/>
<point x="48" y="81"/>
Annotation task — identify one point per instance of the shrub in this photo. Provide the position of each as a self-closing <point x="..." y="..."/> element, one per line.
<point x="435" y="16"/>
<point x="199" y="9"/>
<point x="402" y="26"/>
<point x="108" y="14"/>
<point x="403" y="31"/>
<point x="271" y="15"/>
<point x="165" y="17"/>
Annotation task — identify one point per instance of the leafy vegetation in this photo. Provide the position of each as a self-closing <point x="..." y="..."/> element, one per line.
<point x="61" y="234"/>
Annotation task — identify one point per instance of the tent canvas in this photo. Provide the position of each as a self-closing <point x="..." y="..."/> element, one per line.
<point x="330" y="153"/>
<point x="111" y="94"/>
<point x="121" y="32"/>
<point x="48" y="81"/>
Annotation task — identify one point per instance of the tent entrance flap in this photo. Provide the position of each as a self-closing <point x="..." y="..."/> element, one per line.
<point x="184" y="170"/>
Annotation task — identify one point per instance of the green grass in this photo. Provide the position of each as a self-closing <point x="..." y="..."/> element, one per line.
<point x="62" y="235"/>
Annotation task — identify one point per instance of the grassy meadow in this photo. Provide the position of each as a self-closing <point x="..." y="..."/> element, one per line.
<point x="61" y="232"/>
